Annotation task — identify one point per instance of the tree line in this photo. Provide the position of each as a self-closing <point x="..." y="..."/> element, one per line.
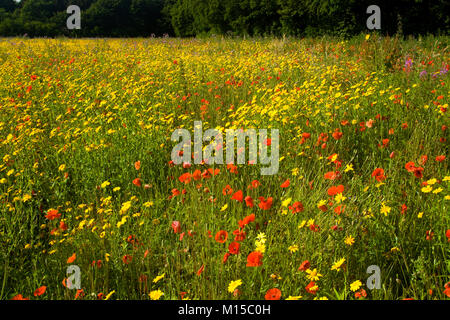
<point x="187" y="18"/>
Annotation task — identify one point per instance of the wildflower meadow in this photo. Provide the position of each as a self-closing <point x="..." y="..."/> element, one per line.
<point x="94" y="207"/>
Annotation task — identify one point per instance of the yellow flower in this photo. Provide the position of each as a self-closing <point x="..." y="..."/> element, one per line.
<point x="110" y="294"/>
<point x="302" y="224"/>
<point x="354" y="286"/>
<point x="233" y="285"/>
<point x="385" y="209"/>
<point x="156" y="294"/>
<point x="104" y="184"/>
<point x="339" y="198"/>
<point x="427" y="189"/>
<point x="158" y="278"/>
<point x="431" y="181"/>
<point x="294" y="298"/>
<point x="438" y="190"/>
<point x="62" y="167"/>
<point x="348" y="168"/>
<point x="224" y="207"/>
<point x="349" y="240"/>
<point x="419" y="215"/>
<point x="367" y="37"/>
<point x="337" y="265"/>
<point x="294" y="172"/>
<point x="116" y="189"/>
<point x="293" y="248"/>
<point x="286" y="202"/>
<point x="313" y="275"/>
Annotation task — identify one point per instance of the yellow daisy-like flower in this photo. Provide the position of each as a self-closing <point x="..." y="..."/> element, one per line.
<point x="294" y="298"/>
<point x="104" y="184"/>
<point x="337" y="265"/>
<point x="156" y="294"/>
<point x="354" y="286"/>
<point x="62" y="167"/>
<point x="313" y="275"/>
<point x="293" y="248"/>
<point x="339" y="198"/>
<point x="427" y="189"/>
<point x="385" y="209"/>
<point x="233" y="285"/>
<point x="158" y="278"/>
<point x="349" y="240"/>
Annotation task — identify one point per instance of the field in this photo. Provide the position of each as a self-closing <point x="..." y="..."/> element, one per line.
<point x="86" y="177"/>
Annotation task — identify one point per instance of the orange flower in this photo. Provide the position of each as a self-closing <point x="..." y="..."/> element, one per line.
<point x="361" y="294"/>
<point x="200" y="271"/>
<point x="197" y="175"/>
<point x="285" y="184"/>
<point x="137" y="165"/>
<point x="72" y="258"/>
<point x="447" y="234"/>
<point x="238" y="196"/>
<point x="233" y="248"/>
<point x="410" y="166"/>
<point x="296" y="207"/>
<point x="137" y="182"/>
<point x="185" y="177"/>
<point x="52" y="214"/>
<point x="304" y="266"/>
<point x="249" y="201"/>
<point x="40" y="291"/>
<point x="378" y="173"/>
<point x="273" y="294"/>
<point x="19" y="297"/>
<point x="265" y="204"/>
<point x="176" y="226"/>
<point x="127" y="259"/>
<point x="440" y="158"/>
<point x="246" y="220"/>
<point x="221" y="236"/>
<point x="79" y="294"/>
<point x="332" y="175"/>
<point x="254" y="259"/>
<point x="332" y="191"/>
<point x="312" y="288"/>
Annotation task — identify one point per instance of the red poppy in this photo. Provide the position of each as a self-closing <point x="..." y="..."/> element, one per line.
<point x="221" y="236"/>
<point x="197" y="175"/>
<point x="233" y="248"/>
<point x="19" y="297"/>
<point x="176" y="226"/>
<point x="238" y="196"/>
<point x="265" y="204"/>
<point x="185" y="177"/>
<point x="200" y="271"/>
<point x="246" y="220"/>
<point x="440" y="158"/>
<point x="378" y="174"/>
<point x="337" y="134"/>
<point x="296" y="207"/>
<point x="334" y="190"/>
<point x="332" y="175"/>
<point x="285" y="184"/>
<point x="225" y="257"/>
<point x="361" y="294"/>
<point x="273" y="294"/>
<point x="404" y="208"/>
<point x="254" y="259"/>
<point x="447" y="234"/>
<point x="304" y="266"/>
<point x="39" y="291"/>
<point x="249" y="201"/>
<point x="127" y="259"/>
<point x="72" y="258"/>
<point x="52" y="214"/>
<point x="418" y="172"/>
<point x="137" y="182"/>
<point x="227" y="190"/>
<point x="239" y="235"/>
<point x="409" y="166"/>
